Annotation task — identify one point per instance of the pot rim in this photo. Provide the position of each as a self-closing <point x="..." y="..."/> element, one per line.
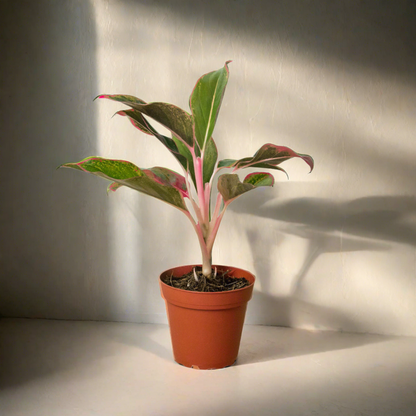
<point x="225" y="292"/>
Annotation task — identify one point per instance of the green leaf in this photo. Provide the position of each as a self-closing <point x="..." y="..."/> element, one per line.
<point x="205" y="102"/>
<point x="138" y="121"/>
<point x="178" y="121"/>
<point x="230" y="186"/>
<point x="129" y="100"/>
<point x="149" y="186"/>
<point x="269" y="166"/>
<point x="226" y="163"/>
<point x="106" y="168"/>
<point x="268" y="156"/>
<point x="168" y="177"/>
<point x="184" y="151"/>
<point x="160" y="183"/>
<point x="229" y="163"/>
<point x="113" y="187"/>
<point x="210" y="160"/>
<point x="259" y="179"/>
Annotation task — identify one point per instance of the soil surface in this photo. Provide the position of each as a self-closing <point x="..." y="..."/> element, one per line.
<point x="217" y="282"/>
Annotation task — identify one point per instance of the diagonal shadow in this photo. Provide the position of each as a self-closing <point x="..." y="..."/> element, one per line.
<point x="385" y="218"/>
<point x="381" y="219"/>
<point x="363" y="224"/>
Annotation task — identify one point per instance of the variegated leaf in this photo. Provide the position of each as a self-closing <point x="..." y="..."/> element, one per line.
<point x="230" y="186"/>
<point x="129" y="100"/>
<point x="139" y="121"/>
<point x="205" y="102"/>
<point x="160" y="183"/>
<point x="210" y="160"/>
<point x="178" y="121"/>
<point x="268" y="156"/>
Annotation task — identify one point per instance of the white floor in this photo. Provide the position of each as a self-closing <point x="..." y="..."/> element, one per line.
<point x="63" y="368"/>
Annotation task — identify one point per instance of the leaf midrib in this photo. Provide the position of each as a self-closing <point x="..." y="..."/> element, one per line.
<point x="210" y="115"/>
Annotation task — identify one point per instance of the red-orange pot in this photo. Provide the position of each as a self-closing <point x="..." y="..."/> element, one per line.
<point x="206" y="327"/>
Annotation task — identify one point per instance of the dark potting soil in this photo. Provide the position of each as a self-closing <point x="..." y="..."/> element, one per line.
<point x="218" y="282"/>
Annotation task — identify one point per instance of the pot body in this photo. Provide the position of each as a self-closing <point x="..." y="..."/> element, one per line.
<point x="206" y="327"/>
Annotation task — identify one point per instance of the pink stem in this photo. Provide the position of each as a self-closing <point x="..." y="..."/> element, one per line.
<point x="213" y="233"/>
<point x="200" y="187"/>
<point x="194" y="205"/>
<point x="217" y="208"/>
<point x="207" y="194"/>
<point x="206" y="254"/>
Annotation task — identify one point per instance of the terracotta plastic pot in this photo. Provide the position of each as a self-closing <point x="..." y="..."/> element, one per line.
<point x="206" y="327"/>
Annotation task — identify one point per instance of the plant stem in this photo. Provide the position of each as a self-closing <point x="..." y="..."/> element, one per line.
<point x="213" y="231"/>
<point x="206" y="254"/>
<point x="204" y="227"/>
<point x="200" y="187"/>
<point x="207" y="265"/>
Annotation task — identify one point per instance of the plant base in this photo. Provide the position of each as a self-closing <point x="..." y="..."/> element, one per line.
<point x="206" y="327"/>
<point x="217" y="282"/>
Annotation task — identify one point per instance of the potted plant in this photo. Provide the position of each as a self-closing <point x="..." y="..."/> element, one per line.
<point x="206" y="304"/>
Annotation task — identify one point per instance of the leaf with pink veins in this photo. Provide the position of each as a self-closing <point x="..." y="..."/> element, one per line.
<point x="168" y="177"/>
<point x="230" y="186"/>
<point x="161" y="183"/>
<point x="269" y="156"/>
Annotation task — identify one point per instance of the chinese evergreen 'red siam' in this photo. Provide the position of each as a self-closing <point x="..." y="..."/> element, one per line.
<point x="192" y="144"/>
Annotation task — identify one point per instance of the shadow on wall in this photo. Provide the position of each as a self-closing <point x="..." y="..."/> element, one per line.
<point x="355" y="38"/>
<point x="369" y="224"/>
<point x="53" y="263"/>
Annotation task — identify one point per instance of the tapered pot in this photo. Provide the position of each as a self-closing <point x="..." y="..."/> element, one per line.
<point x="206" y="327"/>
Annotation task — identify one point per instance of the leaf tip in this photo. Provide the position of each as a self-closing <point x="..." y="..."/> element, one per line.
<point x="309" y="161"/>
<point x="312" y="164"/>
<point x="226" y="67"/>
<point x="100" y="96"/>
<point x="119" y="113"/>
<point x="63" y="165"/>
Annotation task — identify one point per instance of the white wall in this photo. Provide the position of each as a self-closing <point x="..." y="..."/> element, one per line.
<point x="331" y="250"/>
